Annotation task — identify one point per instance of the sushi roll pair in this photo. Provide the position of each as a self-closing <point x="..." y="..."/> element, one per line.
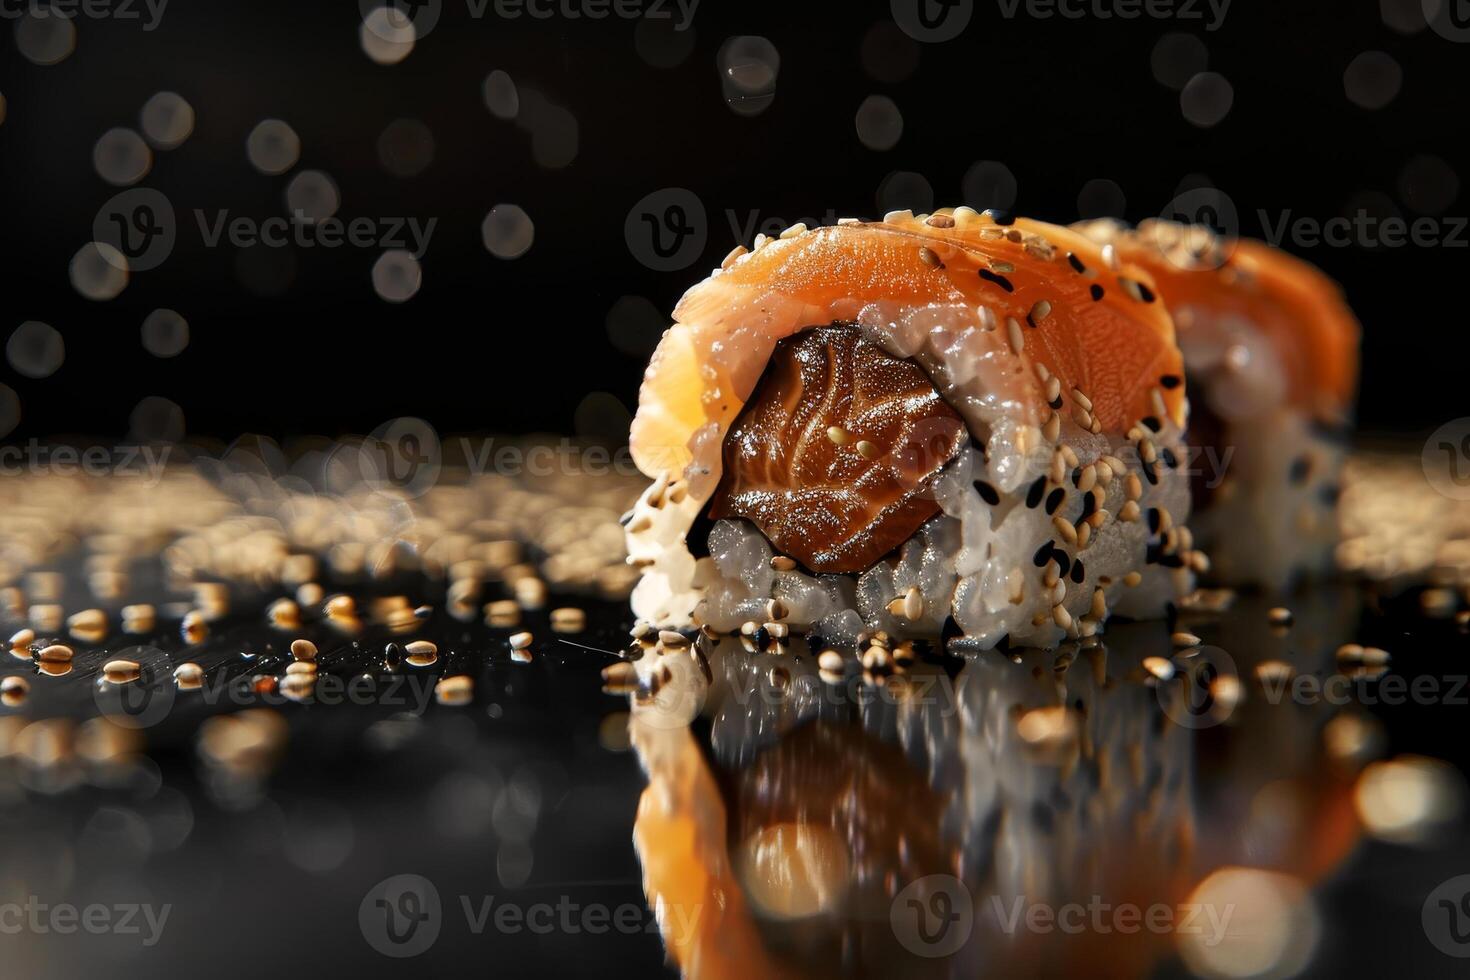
<point x="889" y="425"/>
<point x="1271" y="352"/>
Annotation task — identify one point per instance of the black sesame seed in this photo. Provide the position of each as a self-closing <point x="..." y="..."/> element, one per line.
<point x="1153" y="520"/>
<point x="1055" y="500"/>
<point x="1089" y="504"/>
<point x="1171" y="561"/>
<point x="1151" y="475"/>
<point x="987" y="493"/>
<point x="1033" y="495"/>
<point x="1075" y="262"/>
<point x="1301" y="468"/>
<point x="1056" y="402"/>
<point x="1000" y="216"/>
<point x="1043" y="554"/>
<point x="1096" y="291"/>
<point x="1151" y="554"/>
<point x="999" y="280"/>
<point x="1330" y="495"/>
<point x="1170" y="380"/>
<point x="1170" y="460"/>
<point x="1078" y="572"/>
<point x="1077" y="476"/>
<point x="1063" y="562"/>
<point x="1152" y="422"/>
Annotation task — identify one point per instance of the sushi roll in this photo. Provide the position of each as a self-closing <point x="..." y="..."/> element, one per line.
<point x="885" y="425"/>
<point x="1271" y="351"/>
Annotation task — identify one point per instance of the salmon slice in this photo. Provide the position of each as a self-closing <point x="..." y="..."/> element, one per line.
<point x="1300" y="310"/>
<point x="802" y="460"/>
<point x="1045" y="301"/>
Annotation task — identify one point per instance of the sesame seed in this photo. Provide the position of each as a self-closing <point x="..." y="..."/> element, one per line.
<point x="1129" y="512"/>
<point x="838" y="435"/>
<point x="22" y="639"/>
<point x="568" y="619"/>
<point x="1088" y="480"/>
<point x="56" y="653"/>
<point x="1099" y="608"/>
<point x="893" y="217"/>
<point x="939" y="221"/>
<point x="776" y="610"/>
<point x="998" y="280"/>
<point x="1082" y="417"/>
<point x="830" y="661"/>
<point x="1182" y="639"/>
<point x="1170" y="380"/>
<point x="794" y="230"/>
<point x="1110" y="257"/>
<point x="1159" y="667"/>
<point x="13" y="690"/>
<point x="1065" y="529"/>
<point x="300" y="667"/>
<point x="782" y="563"/>
<point x="341" y="605"/>
<point x="1034" y="492"/>
<point x="734" y="254"/>
<point x="1013" y="334"/>
<point x="1076" y="263"/>
<point x="1061" y="617"/>
<point x="867" y="450"/>
<point x="669" y="638"/>
<point x="1132" y="579"/>
<point x="988" y="321"/>
<point x="502" y="612"/>
<point x="930" y="257"/>
<point x="1135" y="289"/>
<point x="454" y="691"/>
<point x="1279" y="616"/>
<point x="913" y="603"/>
<point x="1053" y="427"/>
<point x="1004" y="268"/>
<point x="284" y="614"/>
<point x="121" y="671"/>
<point x="778" y="631"/>
<point x="1040" y="310"/>
<point x="988" y="493"/>
<point x="189" y="676"/>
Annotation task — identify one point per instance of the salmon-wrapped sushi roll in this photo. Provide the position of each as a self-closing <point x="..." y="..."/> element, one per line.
<point x="883" y="425"/>
<point x="1271" y="351"/>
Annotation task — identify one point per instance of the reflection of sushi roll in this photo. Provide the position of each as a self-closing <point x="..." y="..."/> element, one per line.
<point x="886" y="424"/>
<point x="1271" y="351"/>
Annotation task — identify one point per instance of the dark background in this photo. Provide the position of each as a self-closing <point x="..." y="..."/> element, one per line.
<point x="514" y="346"/>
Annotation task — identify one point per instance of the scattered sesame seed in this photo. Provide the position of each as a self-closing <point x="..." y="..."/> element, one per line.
<point x="1013" y="334"/>
<point x="568" y="619"/>
<point x="867" y="450"/>
<point x="1279" y="616"/>
<point x="1182" y="639"/>
<point x="1040" y="310"/>
<point x="988" y="493"/>
<point x="838" y="435"/>
<point x="830" y="661"/>
<point x="121" y="671"/>
<point x="56" y="653"/>
<point x="782" y="563"/>
<point x="669" y="638"/>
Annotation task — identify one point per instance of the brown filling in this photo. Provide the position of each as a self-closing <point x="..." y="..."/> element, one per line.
<point x="834" y="454"/>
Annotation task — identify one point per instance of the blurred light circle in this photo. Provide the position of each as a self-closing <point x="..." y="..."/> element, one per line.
<point x="1101" y="198"/>
<point x="386" y="36"/>
<point x="1372" y="79"/>
<point x="312" y="196"/>
<point x="43" y="36"/>
<point x="156" y="419"/>
<point x="273" y="147"/>
<point x="165" y="333"/>
<point x="989" y="184"/>
<point x="1403" y="16"/>
<point x="1206" y="99"/>
<point x="634" y="325"/>
<point x="98" y="271"/>
<point x="319" y="836"/>
<point x="500" y="94"/>
<point x="35" y="349"/>
<point x="9" y="410"/>
<point x="507" y="231"/>
<point x="1374" y="205"/>
<point x="1272" y="931"/>
<point x="1177" y="58"/>
<point x="1428" y="184"/>
<point x="406" y="148"/>
<point x="1409" y="799"/>
<point x="904" y="189"/>
<point x="265" y="271"/>
<point x="167" y="120"/>
<point x="661" y="42"/>
<point x="397" y="276"/>
<point x="888" y="54"/>
<point x="121" y="157"/>
<point x="748" y="67"/>
<point x="879" y="122"/>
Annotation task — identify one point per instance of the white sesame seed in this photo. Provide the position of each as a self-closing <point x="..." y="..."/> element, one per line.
<point x="303" y="649"/>
<point x="57" y="653"/>
<point x="838" y="435"/>
<point x="1182" y="639"/>
<point x="1014" y="335"/>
